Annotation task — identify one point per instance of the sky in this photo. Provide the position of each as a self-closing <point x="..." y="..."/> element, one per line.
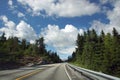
<point x="58" y="21"/>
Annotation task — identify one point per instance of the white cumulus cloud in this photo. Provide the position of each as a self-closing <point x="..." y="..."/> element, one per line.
<point x="21" y="30"/>
<point x="25" y="31"/>
<point x="63" y="40"/>
<point x="60" y="8"/>
<point x="10" y="3"/>
<point x="113" y="17"/>
<point x="9" y="26"/>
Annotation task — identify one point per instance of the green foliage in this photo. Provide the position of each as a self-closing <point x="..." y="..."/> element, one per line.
<point x="12" y="50"/>
<point x="98" y="52"/>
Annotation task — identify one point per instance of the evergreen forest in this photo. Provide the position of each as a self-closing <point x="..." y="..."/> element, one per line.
<point x="15" y="53"/>
<point x="98" y="52"/>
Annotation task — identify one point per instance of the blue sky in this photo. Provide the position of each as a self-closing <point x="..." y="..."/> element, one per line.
<point x="59" y="21"/>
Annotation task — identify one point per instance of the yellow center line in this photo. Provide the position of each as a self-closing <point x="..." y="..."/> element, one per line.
<point x="28" y="74"/>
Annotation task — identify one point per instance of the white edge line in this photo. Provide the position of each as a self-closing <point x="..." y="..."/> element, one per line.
<point x="67" y="73"/>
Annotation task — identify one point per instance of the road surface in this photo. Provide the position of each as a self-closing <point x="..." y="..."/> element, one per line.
<point x="46" y="72"/>
<point x="60" y="71"/>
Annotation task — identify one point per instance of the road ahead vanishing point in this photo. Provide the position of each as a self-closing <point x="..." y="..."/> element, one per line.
<point x="61" y="71"/>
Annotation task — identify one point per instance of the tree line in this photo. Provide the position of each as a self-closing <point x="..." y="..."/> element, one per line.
<point x="14" y="51"/>
<point x="98" y="52"/>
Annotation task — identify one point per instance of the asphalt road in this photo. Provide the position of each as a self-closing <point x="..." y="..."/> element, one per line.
<point x="45" y="72"/>
<point x="59" y="71"/>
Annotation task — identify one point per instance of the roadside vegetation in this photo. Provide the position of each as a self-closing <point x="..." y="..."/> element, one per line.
<point x="98" y="52"/>
<point x="15" y="53"/>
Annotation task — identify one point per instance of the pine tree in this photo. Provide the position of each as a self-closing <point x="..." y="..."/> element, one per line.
<point x="79" y="50"/>
<point x="23" y="44"/>
<point x="41" y="46"/>
<point x="108" y="53"/>
<point x="115" y="62"/>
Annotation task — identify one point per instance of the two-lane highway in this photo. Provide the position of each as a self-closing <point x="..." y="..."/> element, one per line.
<point x="47" y="72"/>
<point x="61" y="71"/>
<point x="56" y="72"/>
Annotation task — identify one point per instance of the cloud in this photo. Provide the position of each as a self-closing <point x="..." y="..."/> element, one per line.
<point x="20" y="14"/>
<point x="15" y="10"/>
<point x="25" y="31"/>
<point x="103" y="2"/>
<point x="114" y="20"/>
<point x="114" y="15"/>
<point x="10" y="3"/>
<point x="63" y="40"/>
<point x="60" y="8"/>
<point x="9" y="26"/>
<point x="21" y="30"/>
<point x="99" y="26"/>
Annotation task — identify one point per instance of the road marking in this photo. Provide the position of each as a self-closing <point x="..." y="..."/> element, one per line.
<point x="28" y="74"/>
<point x="67" y="73"/>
